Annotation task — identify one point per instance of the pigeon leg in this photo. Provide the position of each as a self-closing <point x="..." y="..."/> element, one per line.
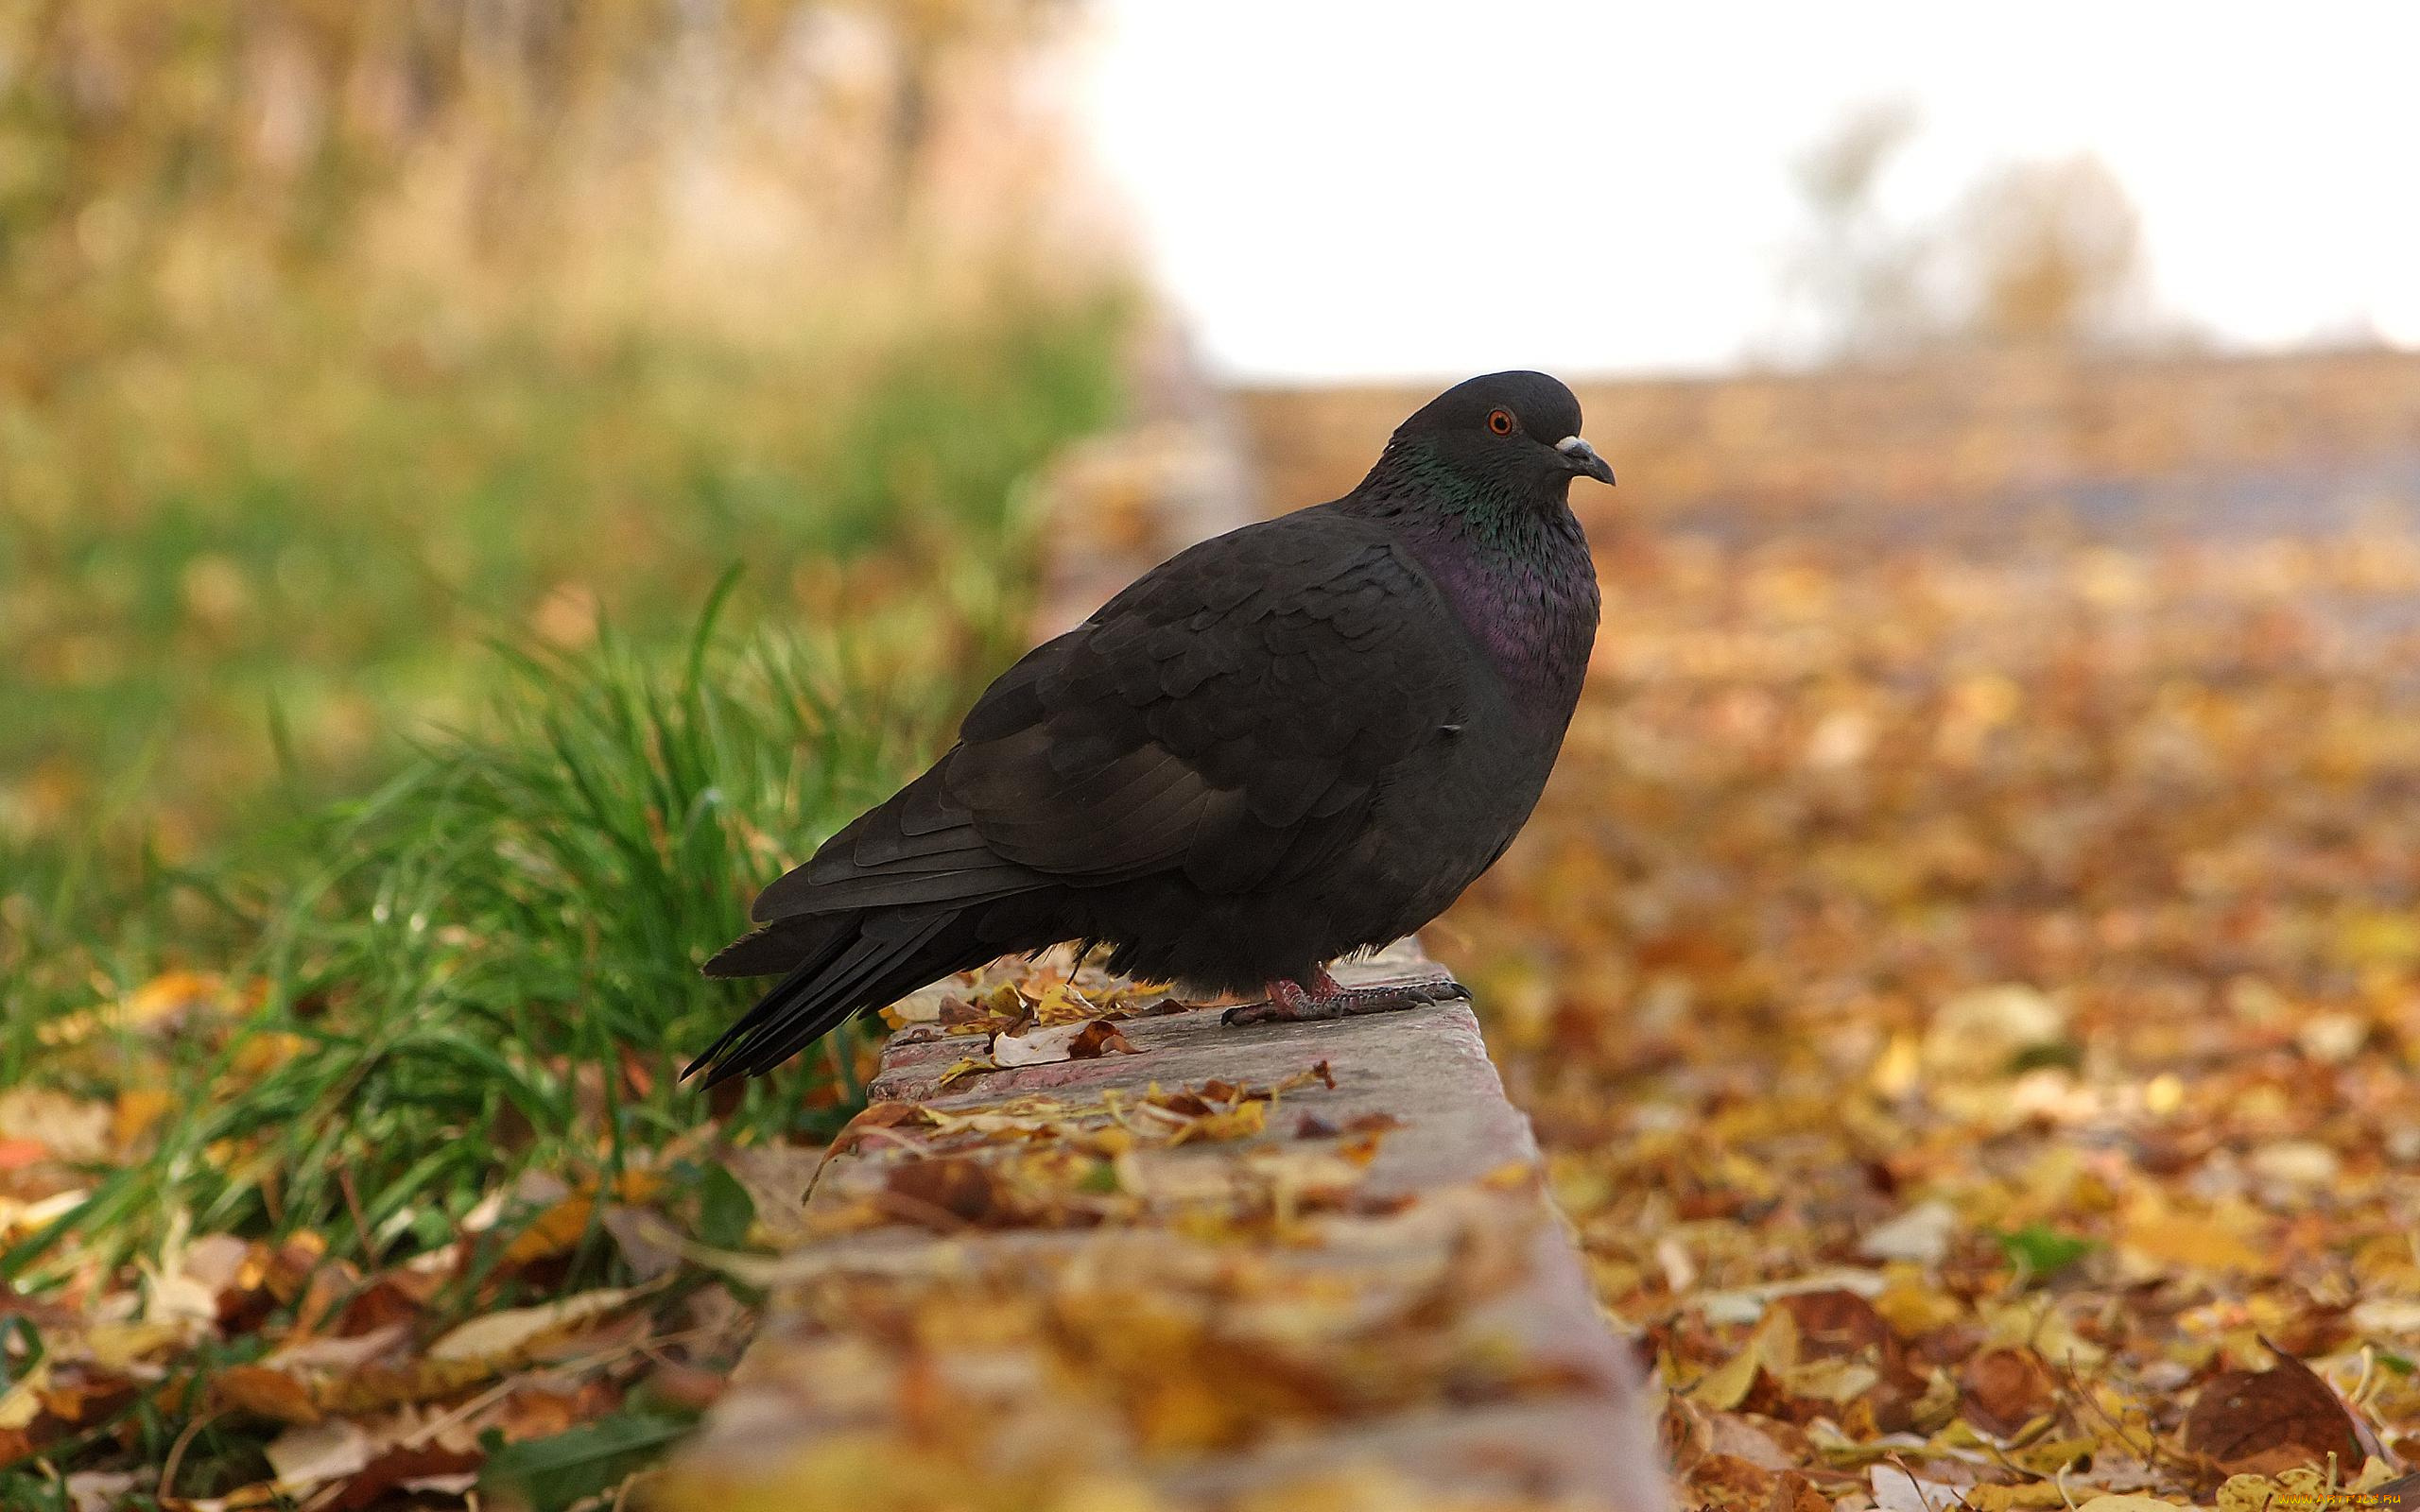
<point x="1293" y="1002"/>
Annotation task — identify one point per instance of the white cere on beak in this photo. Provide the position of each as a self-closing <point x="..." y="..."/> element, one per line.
<point x="1570" y="443"/>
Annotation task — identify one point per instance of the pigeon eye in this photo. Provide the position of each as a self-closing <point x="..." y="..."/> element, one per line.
<point x="1500" y="422"/>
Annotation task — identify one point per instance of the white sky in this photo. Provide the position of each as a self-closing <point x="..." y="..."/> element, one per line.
<point x="1331" y="189"/>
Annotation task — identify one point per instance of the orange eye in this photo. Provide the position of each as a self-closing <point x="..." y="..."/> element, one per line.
<point x="1500" y="422"/>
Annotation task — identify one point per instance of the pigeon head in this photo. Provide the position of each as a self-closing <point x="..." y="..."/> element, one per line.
<point x="1506" y="434"/>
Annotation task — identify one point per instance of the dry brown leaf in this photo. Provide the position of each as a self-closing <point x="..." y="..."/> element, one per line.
<point x="391" y="1298"/>
<point x="941" y="1190"/>
<point x="423" y="1467"/>
<point x="2262" y="1422"/>
<point x="2003" y="1389"/>
<point x="1069" y="1039"/>
<point x="270" y="1393"/>
<point x="1102" y="1039"/>
<point x="1724" y="1482"/>
<point x="1836" y="1322"/>
<point x="1691" y="1432"/>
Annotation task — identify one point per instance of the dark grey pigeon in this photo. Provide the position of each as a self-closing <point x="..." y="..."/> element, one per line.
<point x="1297" y="741"/>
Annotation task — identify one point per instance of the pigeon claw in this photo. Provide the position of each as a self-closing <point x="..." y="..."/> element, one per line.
<point x="1290" y="1001"/>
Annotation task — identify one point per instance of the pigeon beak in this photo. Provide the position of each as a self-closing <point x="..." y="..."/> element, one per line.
<point x="1582" y="458"/>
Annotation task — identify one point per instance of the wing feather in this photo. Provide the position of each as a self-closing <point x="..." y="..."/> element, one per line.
<point x="1251" y="680"/>
<point x="1232" y="715"/>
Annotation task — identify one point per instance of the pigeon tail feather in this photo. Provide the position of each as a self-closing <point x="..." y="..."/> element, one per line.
<point x="863" y="961"/>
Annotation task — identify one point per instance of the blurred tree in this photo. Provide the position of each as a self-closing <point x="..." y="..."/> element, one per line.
<point x="2037" y="253"/>
<point x="2054" y="250"/>
<point x="1864" y="275"/>
<point x="176" y="156"/>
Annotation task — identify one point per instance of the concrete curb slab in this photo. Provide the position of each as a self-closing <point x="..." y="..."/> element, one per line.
<point x="1238" y="1268"/>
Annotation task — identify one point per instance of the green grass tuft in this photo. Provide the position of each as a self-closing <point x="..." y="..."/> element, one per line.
<point x="492" y="962"/>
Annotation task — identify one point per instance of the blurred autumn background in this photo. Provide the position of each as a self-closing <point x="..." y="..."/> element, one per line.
<point x="483" y="484"/>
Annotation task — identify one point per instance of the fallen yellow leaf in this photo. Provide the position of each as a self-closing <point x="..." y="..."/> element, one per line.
<point x="138" y="1109"/>
<point x="511" y="1333"/>
<point x="2182" y="1239"/>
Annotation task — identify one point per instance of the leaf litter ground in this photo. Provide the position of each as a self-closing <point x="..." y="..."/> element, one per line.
<point x="1969" y="1005"/>
<point x="1970" y="1002"/>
